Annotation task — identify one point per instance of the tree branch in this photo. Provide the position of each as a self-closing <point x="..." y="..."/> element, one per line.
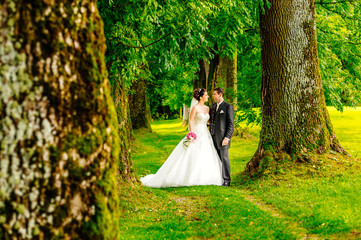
<point x="329" y="32"/>
<point x="165" y="36"/>
<point x="322" y="2"/>
<point x="341" y="1"/>
<point x="336" y="12"/>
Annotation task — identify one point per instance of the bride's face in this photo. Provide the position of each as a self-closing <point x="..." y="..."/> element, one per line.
<point x="205" y="97"/>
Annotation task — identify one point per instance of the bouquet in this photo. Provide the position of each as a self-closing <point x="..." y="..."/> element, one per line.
<point x="191" y="137"/>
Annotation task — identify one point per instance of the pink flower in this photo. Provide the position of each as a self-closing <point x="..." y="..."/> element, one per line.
<point x="191" y="136"/>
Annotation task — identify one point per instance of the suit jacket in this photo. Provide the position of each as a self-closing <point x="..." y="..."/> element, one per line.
<point x="221" y="123"/>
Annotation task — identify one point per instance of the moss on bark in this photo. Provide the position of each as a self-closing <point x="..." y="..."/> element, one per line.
<point x="59" y="133"/>
<point x="295" y="120"/>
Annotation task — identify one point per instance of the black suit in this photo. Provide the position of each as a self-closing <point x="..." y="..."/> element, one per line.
<point x="222" y="126"/>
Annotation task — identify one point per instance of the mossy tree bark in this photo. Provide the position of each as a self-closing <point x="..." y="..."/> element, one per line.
<point x="294" y="115"/>
<point x="59" y="135"/>
<point x="139" y="105"/>
<point x="119" y="94"/>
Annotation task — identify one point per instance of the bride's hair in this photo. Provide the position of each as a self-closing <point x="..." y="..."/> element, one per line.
<point x="198" y="93"/>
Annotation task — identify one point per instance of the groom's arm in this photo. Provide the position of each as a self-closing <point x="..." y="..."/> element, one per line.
<point x="230" y="122"/>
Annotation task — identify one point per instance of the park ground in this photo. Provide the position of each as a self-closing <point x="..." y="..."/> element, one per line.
<point x="317" y="199"/>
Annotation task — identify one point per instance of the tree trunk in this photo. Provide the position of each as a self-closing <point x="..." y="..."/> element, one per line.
<point x="58" y="129"/>
<point x="202" y="75"/>
<point x="185" y="115"/>
<point x="213" y="73"/>
<point x="139" y="106"/>
<point x="120" y="98"/>
<point x="294" y="115"/>
<point x="227" y="78"/>
<point x="119" y="88"/>
<point x="223" y="73"/>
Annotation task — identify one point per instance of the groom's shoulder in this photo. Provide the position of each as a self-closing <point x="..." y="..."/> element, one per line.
<point x="227" y="104"/>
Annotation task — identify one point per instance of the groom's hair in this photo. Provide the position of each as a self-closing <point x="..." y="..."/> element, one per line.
<point x="219" y="91"/>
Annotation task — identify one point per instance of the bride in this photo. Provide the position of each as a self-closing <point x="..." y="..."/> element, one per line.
<point x="196" y="163"/>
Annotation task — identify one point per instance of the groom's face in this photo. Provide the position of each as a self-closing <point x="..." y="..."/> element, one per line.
<point x="216" y="96"/>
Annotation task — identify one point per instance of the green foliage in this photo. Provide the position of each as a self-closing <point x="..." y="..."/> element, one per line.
<point x="174" y="61"/>
<point x="164" y="40"/>
<point x="339" y="45"/>
<point x="169" y="90"/>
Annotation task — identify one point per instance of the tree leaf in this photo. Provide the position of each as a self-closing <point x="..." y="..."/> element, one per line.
<point x="268" y="4"/>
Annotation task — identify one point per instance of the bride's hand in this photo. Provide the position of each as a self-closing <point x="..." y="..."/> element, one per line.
<point x="225" y="142"/>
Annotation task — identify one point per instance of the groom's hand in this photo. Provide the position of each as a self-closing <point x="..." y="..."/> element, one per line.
<point x="225" y="142"/>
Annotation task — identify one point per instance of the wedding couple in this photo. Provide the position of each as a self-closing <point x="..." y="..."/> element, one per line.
<point x="205" y="160"/>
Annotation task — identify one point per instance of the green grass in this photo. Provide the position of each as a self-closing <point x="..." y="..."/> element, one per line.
<point x="347" y="126"/>
<point x="320" y="199"/>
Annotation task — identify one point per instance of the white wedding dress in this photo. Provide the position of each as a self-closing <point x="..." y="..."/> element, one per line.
<point x="197" y="164"/>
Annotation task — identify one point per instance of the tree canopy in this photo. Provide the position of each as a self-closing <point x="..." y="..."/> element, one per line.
<point x="164" y="40"/>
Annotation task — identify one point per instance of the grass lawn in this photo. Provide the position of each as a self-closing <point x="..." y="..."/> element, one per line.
<point x="315" y="200"/>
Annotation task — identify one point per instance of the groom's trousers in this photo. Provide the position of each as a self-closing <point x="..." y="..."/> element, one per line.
<point x="226" y="166"/>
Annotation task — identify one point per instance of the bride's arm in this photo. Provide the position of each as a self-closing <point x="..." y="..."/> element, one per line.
<point x="191" y="118"/>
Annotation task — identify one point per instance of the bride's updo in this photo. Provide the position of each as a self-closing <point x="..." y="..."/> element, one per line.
<point x="198" y="93"/>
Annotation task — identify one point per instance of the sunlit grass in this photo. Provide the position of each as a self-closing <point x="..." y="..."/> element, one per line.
<point x="319" y="198"/>
<point x="347" y="127"/>
<point x="323" y="195"/>
<point x="324" y="206"/>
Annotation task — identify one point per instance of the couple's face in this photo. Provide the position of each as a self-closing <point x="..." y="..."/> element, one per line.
<point x="216" y="96"/>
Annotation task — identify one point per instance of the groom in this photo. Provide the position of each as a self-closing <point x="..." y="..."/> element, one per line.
<point x="221" y="128"/>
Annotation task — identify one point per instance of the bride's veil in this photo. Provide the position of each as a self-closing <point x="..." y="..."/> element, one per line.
<point x="193" y="103"/>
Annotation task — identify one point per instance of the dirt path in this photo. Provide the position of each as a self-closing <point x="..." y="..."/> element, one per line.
<point x="275" y="212"/>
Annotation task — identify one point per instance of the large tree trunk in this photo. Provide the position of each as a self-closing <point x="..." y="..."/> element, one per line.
<point x="58" y="128"/>
<point x="294" y="115"/>
<point x="139" y="106"/>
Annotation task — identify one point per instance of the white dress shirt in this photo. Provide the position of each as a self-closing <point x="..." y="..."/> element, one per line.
<point x="218" y="105"/>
